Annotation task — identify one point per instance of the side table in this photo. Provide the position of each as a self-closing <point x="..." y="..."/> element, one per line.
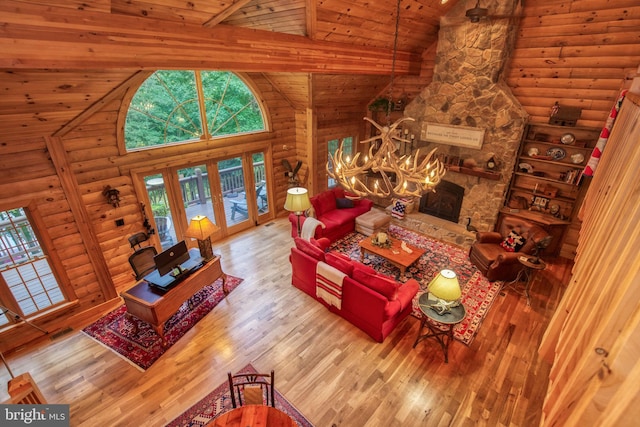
<point x="440" y="325"/>
<point x="526" y="275"/>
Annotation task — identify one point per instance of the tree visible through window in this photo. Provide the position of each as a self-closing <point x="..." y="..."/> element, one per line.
<point x="28" y="282"/>
<point x="167" y="108"/>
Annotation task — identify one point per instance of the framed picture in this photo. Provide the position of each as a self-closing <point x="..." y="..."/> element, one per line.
<point x="539" y="203"/>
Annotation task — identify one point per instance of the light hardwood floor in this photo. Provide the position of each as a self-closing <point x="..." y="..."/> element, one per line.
<point x="334" y="373"/>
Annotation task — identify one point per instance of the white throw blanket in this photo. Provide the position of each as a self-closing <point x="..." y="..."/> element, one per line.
<point x="309" y="227"/>
<point x="329" y="284"/>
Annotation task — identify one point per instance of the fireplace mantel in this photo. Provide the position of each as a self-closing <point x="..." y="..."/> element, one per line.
<point x="482" y="173"/>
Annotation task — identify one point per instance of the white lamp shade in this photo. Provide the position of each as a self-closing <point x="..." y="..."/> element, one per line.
<point x="445" y="286"/>
<point x="297" y="200"/>
<point x="200" y="228"/>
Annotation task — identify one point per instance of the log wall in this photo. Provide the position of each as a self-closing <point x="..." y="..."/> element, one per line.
<point x="93" y="161"/>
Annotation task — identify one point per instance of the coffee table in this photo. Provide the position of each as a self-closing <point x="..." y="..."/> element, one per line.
<point x="394" y="254"/>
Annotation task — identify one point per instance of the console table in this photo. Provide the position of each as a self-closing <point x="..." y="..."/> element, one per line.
<point x="155" y="308"/>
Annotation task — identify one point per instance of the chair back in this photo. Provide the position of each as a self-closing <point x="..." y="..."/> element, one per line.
<point x="137" y="239"/>
<point x="532" y="233"/>
<point x="24" y="390"/>
<point x="251" y="389"/>
<point x="142" y="261"/>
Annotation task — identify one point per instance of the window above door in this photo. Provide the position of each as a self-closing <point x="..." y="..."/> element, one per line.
<point x="176" y="107"/>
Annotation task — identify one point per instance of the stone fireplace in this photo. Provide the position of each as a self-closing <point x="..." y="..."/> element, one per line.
<point x="468" y="90"/>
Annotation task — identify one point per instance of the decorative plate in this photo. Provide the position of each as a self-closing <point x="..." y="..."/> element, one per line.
<point x="577" y="158"/>
<point x="525" y="167"/>
<point x="568" y="139"/>
<point x="554" y="209"/>
<point x="533" y="151"/>
<point x="556" y="153"/>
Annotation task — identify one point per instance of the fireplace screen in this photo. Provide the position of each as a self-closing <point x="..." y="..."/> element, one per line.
<point x="445" y="202"/>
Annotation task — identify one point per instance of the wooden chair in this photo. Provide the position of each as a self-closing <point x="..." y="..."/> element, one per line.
<point x="24" y="390"/>
<point x="142" y="261"/>
<point x="251" y="389"/>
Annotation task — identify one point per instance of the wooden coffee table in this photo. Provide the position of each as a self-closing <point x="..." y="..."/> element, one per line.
<point x="394" y="254"/>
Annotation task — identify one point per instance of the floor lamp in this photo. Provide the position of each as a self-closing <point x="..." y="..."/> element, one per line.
<point x="297" y="202"/>
<point x="201" y="228"/>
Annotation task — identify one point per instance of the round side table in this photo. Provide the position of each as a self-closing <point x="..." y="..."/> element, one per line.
<point x="440" y="325"/>
<point x="526" y="275"/>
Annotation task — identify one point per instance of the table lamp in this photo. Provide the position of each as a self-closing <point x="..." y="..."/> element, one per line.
<point x="201" y="228"/>
<point x="297" y="202"/>
<point x="446" y="289"/>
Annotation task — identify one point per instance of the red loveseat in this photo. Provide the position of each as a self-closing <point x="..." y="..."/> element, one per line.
<point x="337" y="212"/>
<point x="373" y="302"/>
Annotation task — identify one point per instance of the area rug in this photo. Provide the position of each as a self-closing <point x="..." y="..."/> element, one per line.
<point x="478" y="293"/>
<point x="219" y="401"/>
<point x="138" y="342"/>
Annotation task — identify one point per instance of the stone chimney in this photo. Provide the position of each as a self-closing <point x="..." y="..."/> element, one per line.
<point x="468" y="90"/>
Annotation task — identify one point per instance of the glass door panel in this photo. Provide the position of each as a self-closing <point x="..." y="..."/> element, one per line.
<point x="234" y="197"/>
<point x="196" y="192"/>
<point x="157" y="193"/>
<point x="260" y="180"/>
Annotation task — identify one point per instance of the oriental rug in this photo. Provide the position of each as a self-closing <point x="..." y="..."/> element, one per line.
<point x="219" y="401"/>
<point x="478" y="293"/>
<point x="137" y="341"/>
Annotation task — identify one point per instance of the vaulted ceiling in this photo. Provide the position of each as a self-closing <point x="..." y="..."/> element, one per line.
<point x="60" y="58"/>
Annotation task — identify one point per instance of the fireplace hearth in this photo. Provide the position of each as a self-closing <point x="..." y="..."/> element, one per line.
<point x="445" y="202"/>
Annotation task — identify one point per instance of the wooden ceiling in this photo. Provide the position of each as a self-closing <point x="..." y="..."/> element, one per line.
<point x="60" y="58"/>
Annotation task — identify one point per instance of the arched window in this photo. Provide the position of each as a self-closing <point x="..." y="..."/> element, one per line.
<point x="169" y="108"/>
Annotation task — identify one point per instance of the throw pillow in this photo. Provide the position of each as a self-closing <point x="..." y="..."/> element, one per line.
<point x="344" y="203"/>
<point x="309" y="249"/>
<point x="398" y="210"/>
<point x="378" y="282"/>
<point x="323" y="243"/>
<point x="513" y="242"/>
<point x="323" y="203"/>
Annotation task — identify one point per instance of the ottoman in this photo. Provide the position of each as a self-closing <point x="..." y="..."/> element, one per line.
<point x="372" y="222"/>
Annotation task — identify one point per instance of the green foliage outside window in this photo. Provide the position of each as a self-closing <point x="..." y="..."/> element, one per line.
<point x="166" y="108"/>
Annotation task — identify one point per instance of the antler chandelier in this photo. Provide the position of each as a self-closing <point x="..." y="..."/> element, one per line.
<point x="383" y="173"/>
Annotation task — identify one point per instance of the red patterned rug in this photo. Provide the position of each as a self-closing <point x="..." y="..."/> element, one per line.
<point x="219" y="401"/>
<point x="138" y="342"/>
<point x="477" y="292"/>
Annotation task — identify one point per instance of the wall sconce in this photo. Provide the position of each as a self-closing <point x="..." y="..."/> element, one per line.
<point x="112" y="195"/>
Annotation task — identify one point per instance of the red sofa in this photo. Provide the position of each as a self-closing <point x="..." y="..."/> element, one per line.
<point x="373" y="302"/>
<point x="337" y="212"/>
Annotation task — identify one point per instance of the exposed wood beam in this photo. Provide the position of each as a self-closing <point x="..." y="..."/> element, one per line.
<point x="311" y="18"/>
<point x="69" y="184"/>
<point x="235" y="6"/>
<point x="36" y="36"/>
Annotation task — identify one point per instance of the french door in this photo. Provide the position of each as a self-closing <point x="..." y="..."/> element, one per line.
<point x="232" y="192"/>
